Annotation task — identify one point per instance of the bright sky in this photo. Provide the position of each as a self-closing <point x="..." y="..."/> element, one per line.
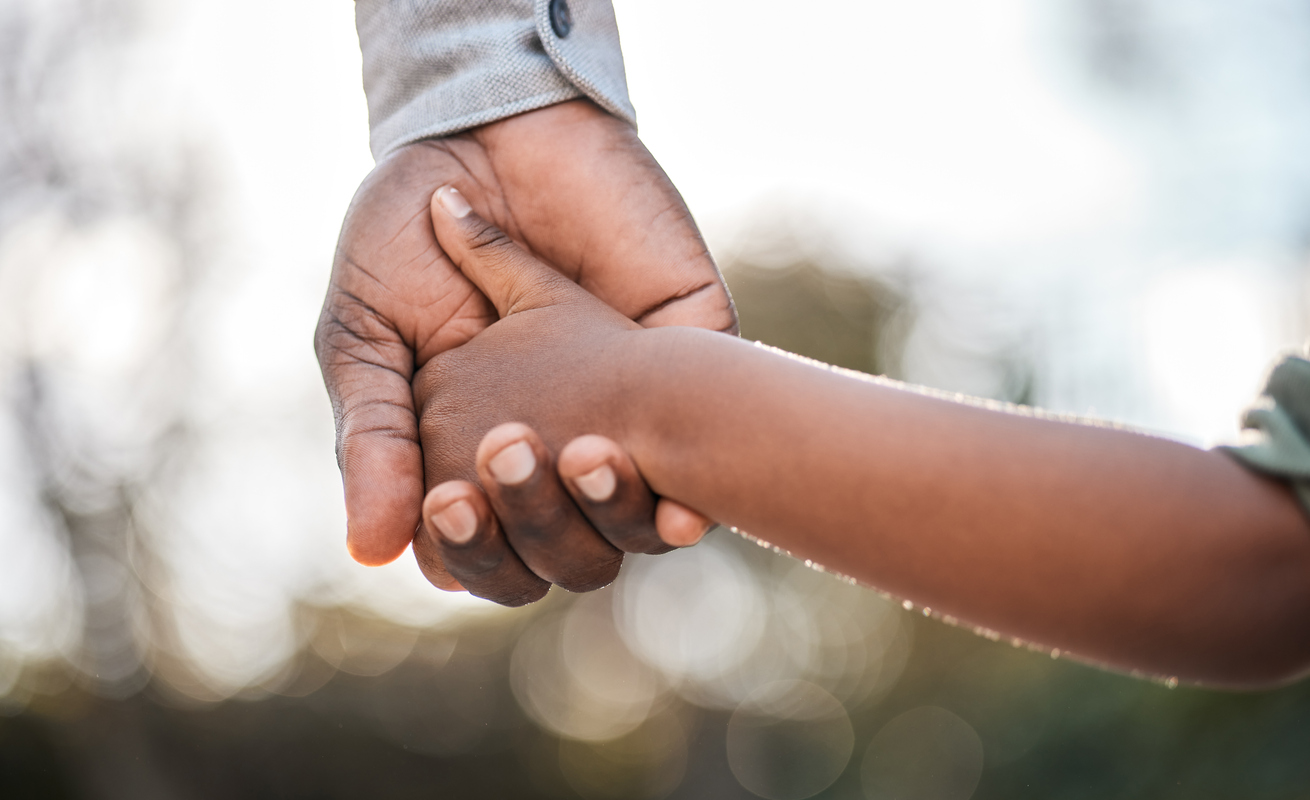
<point x="932" y="117"/>
<point x="948" y="128"/>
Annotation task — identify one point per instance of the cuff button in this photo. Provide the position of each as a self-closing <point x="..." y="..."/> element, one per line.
<point x="561" y="19"/>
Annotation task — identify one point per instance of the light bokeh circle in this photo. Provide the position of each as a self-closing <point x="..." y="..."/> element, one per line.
<point x="927" y="753"/>
<point x="789" y="740"/>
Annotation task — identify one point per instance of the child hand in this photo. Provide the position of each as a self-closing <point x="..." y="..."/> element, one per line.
<point x="555" y="364"/>
<point x="394" y="300"/>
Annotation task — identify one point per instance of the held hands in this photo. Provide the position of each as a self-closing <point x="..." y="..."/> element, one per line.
<point x="571" y="184"/>
<point x="559" y="360"/>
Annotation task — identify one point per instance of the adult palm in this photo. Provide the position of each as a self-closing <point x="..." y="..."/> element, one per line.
<point x="570" y="183"/>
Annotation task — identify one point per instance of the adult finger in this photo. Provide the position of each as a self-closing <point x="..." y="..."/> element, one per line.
<point x="461" y="537"/>
<point x="392" y="302"/>
<point x="541" y="522"/>
<point x="608" y="488"/>
<point x="367" y="369"/>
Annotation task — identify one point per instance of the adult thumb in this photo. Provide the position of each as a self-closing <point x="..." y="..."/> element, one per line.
<point x="511" y="279"/>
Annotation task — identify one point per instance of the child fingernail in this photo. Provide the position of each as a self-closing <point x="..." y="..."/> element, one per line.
<point x="453" y="202"/>
<point x="513" y="465"/>
<point x="598" y="485"/>
<point x="456" y="522"/>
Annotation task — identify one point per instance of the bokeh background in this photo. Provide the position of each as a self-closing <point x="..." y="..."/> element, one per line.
<point x="1097" y="206"/>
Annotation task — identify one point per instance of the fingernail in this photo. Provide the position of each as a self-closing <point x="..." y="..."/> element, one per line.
<point x="598" y="485"/>
<point x="514" y="464"/>
<point x="456" y="522"/>
<point x="696" y="539"/>
<point x="453" y="202"/>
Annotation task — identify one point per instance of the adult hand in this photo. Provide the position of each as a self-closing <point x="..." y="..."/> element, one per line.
<point x="569" y="183"/>
<point x="557" y="361"/>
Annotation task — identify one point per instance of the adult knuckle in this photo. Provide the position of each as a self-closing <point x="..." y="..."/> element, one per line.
<point x="377" y="416"/>
<point x="352" y="334"/>
<point x="361" y="429"/>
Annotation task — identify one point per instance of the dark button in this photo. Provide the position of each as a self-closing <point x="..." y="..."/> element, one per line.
<point x="561" y="19"/>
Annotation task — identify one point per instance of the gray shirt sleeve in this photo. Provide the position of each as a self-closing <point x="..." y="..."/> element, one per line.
<point x="437" y="67"/>
<point x="1278" y="427"/>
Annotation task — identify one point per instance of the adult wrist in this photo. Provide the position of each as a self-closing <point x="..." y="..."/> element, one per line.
<point x="440" y="67"/>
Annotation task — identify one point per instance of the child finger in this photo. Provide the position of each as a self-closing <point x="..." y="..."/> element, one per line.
<point x="540" y="520"/>
<point x="460" y="534"/>
<point x="611" y="493"/>
<point x="512" y="279"/>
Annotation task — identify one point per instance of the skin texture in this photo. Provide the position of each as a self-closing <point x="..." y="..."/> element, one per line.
<point x="571" y="184"/>
<point x="1123" y="549"/>
<point x="532" y="539"/>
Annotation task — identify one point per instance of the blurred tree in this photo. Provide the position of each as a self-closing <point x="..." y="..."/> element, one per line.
<point x="96" y="434"/>
<point x="840" y="318"/>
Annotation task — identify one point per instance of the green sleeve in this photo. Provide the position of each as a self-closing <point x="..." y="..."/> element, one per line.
<point x="1277" y="440"/>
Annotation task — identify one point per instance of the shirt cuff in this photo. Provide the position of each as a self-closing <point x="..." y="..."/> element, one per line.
<point x="439" y="67"/>
<point x="1277" y="435"/>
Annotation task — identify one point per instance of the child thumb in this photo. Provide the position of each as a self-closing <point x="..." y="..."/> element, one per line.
<point x="511" y="279"/>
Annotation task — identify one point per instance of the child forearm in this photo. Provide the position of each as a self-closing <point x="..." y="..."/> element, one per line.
<point x="1125" y="549"/>
<point x="1122" y="548"/>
